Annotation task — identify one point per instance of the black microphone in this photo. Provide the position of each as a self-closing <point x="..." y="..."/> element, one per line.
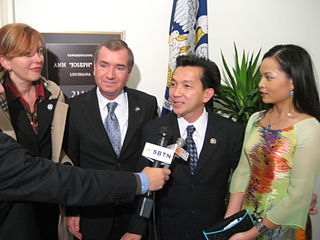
<point x="164" y="135"/>
<point x="146" y="202"/>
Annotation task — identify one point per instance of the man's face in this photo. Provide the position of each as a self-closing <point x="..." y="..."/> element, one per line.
<point x="111" y="72"/>
<point x="187" y="94"/>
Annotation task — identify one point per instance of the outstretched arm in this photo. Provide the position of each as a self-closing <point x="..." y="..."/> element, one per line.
<point x="28" y="178"/>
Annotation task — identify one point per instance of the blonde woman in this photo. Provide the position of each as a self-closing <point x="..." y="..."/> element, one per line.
<point x="32" y="110"/>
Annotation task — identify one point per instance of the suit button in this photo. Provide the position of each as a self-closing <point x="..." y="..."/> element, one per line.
<point x="192" y="211"/>
<point x="118" y="165"/>
<point x="191" y="186"/>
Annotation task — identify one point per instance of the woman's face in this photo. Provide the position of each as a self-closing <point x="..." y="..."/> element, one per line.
<point x="25" y="68"/>
<point x="274" y="85"/>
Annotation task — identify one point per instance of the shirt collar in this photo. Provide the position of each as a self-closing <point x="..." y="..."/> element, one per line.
<point x="200" y="124"/>
<point x="103" y="101"/>
<point x="13" y="93"/>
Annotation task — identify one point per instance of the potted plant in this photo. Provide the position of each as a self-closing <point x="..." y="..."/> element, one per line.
<point x="238" y="96"/>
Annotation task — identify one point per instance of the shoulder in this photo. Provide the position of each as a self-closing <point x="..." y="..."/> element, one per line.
<point x="51" y="85"/>
<point x="308" y="133"/>
<point x="165" y="120"/>
<point x="53" y="88"/>
<point x="221" y="121"/>
<point x="140" y="94"/>
<point x="255" y="117"/>
<point x="309" y="125"/>
<point x="87" y="96"/>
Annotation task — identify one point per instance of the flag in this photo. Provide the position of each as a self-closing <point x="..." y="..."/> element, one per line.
<point x="188" y="34"/>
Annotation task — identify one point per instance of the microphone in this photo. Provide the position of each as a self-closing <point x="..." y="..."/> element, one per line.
<point x="164" y="135"/>
<point x="181" y="142"/>
<point x="155" y="153"/>
<point x="179" y="152"/>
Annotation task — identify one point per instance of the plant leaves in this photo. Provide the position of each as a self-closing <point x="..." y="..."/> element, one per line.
<point x="238" y="97"/>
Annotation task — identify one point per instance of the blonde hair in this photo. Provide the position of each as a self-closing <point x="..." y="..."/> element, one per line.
<point x="18" y="39"/>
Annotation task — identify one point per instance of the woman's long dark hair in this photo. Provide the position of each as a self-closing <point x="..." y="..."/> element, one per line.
<point x="296" y="63"/>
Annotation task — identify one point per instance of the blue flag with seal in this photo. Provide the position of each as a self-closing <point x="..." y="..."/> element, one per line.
<point x="188" y="34"/>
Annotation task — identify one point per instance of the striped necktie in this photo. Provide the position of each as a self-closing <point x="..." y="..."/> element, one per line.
<point x="191" y="148"/>
<point x="112" y="127"/>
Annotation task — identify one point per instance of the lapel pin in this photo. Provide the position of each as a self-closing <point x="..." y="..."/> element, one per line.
<point x="213" y="140"/>
<point x="50" y="106"/>
<point x="136" y="109"/>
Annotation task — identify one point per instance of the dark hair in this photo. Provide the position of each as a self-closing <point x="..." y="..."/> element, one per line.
<point x="296" y="63"/>
<point x="210" y="78"/>
<point x="115" y="45"/>
<point x="211" y="75"/>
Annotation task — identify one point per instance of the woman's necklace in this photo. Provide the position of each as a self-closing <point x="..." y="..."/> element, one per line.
<point x="288" y="116"/>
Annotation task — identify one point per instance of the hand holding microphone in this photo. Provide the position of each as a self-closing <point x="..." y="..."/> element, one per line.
<point x="155" y="153"/>
<point x="156" y="177"/>
<point x="161" y="155"/>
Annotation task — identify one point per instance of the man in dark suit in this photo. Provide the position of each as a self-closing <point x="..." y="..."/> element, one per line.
<point x="195" y="196"/>
<point x="92" y="145"/>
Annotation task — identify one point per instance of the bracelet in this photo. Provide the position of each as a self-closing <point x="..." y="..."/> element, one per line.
<point x="261" y="227"/>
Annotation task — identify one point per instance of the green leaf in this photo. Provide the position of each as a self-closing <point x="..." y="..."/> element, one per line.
<point x="238" y="97"/>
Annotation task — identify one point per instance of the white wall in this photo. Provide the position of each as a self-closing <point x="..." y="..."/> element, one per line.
<point x="251" y="24"/>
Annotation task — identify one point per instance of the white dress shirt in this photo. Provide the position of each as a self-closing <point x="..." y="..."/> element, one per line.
<point x="199" y="134"/>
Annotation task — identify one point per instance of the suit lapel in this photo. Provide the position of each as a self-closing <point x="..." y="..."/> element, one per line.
<point x="210" y="143"/>
<point x="45" y="116"/>
<point x="173" y="124"/>
<point x="93" y="117"/>
<point x="134" y="118"/>
<point x="174" y="127"/>
<point x="58" y="127"/>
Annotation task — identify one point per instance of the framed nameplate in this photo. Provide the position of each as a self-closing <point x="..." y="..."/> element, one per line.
<point x="69" y="59"/>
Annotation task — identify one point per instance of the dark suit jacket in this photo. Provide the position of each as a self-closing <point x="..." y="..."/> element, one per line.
<point x="35" y="179"/>
<point x="89" y="147"/>
<point x="188" y="203"/>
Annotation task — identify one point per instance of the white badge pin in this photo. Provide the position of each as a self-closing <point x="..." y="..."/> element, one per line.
<point x="136" y="109"/>
<point x="213" y="140"/>
<point x="50" y="106"/>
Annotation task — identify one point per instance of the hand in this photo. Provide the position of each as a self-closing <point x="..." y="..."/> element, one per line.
<point x="73" y="224"/>
<point x="156" y="177"/>
<point x="131" y="236"/>
<point x="313" y="205"/>
<point x="242" y="236"/>
<point x="248" y="235"/>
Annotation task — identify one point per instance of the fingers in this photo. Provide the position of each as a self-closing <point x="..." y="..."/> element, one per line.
<point x="131" y="236"/>
<point x="313" y="209"/>
<point x="73" y="224"/>
<point x="156" y="177"/>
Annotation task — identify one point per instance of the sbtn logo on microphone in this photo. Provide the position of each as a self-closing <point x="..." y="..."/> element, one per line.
<point x="155" y="152"/>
